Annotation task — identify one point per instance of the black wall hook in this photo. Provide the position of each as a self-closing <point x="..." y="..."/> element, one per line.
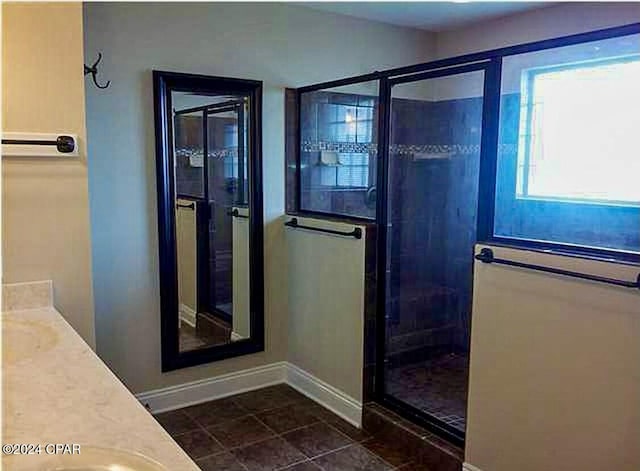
<point x="93" y="70"/>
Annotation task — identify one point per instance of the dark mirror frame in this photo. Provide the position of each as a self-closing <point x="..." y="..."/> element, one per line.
<point x="163" y="84"/>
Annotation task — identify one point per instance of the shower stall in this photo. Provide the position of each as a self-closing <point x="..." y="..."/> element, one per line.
<point x="430" y="208"/>
<point x="406" y="153"/>
<point x="480" y="148"/>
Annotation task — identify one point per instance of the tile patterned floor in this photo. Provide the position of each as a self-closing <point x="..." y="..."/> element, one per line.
<point x="210" y="331"/>
<point x="437" y="386"/>
<point x="277" y="428"/>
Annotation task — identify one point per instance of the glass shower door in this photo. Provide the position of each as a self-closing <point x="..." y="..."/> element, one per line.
<point x="435" y="132"/>
<point x="226" y="184"/>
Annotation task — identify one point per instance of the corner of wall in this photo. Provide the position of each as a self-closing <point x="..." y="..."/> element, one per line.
<point x="45" y="230"/>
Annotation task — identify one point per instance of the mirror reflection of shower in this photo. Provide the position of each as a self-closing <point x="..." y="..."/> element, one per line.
<point x="212" y="236"/>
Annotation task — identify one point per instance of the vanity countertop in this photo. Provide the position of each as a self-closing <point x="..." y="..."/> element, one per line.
<point x="56" y="390"/>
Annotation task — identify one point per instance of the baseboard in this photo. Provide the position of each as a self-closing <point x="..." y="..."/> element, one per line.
<point x="326" y="395"/>
<point x="236" y="336"/>
<point x="470" y="467"/>
<point x="187" y="394"/>
<point x="187" y="315"/>
<point x="183" y="395"/>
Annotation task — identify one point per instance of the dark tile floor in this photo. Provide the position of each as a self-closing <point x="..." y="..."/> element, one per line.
<point x="189" y="339"/>
<point x="277" y="428"/>
<point x="209" y="331"/>
<point x="437" y="386"/>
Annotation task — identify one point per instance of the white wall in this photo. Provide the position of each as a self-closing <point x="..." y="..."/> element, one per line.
<point x="554" y="381"/>
<point x="326" y="305"/>
<point x="187" y="254"/>
<point x="241" y="325"/>
<point x="45" y="203"/>
<point x="548" y="22"/>
<point x="283" y="45"/>
<point x="554" y="372"/>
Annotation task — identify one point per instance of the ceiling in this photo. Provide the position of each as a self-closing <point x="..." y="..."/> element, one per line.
<point x="430" y="16"/>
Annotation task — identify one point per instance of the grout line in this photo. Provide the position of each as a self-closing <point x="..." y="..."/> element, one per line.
<point x="224" y="448"/>
<point x="255" y="442"/>
<point x="211" y="455"/>
<point x="341" y="433"/>
<point x="318" y="421"/>
<point x="280" y="435"/>
<point x="268" y="428"/>
<point x="240" y="462"/>
<point x="219" y="453"/>
<point x="332" y="451"/>
<point x="289" y="466"/>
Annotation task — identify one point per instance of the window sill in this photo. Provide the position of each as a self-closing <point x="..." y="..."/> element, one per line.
<point x="585" y="202"/>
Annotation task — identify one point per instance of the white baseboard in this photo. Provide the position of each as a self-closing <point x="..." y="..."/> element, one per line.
<point x="470" y="467"/>
<point x="187" y="315"/>
<point x="187" y="394"/>
<point x="326" y="395"/>
<point x="182" y="395"/>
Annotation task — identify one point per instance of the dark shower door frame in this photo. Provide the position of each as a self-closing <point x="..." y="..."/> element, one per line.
<point x="485" y="209"/>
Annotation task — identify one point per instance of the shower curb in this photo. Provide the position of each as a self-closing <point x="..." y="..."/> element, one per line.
<point x="429" y="449"/>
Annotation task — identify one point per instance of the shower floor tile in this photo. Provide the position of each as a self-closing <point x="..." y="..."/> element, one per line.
<point x="437" y="386"/>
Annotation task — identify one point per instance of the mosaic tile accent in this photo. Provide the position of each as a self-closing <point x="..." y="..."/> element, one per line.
<point x="434" y="149"/>
<point x="214" y="153"/>
<point x="402" y="150"/>
<point x="341" y="147"/>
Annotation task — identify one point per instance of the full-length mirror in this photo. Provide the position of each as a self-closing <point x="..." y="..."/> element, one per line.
<point x="210" y="217"/>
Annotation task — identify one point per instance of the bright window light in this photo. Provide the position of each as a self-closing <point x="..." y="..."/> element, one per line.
<point x="580" y="133"/>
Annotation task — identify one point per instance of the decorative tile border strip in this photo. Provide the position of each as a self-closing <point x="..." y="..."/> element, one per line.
<point x="215" y="153"/>
<point x="341" y="147"/>
<point x="401" y="149"/>
<point x="434" y="149"/>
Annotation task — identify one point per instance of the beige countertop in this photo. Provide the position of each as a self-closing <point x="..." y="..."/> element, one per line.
<point x="55" y="389"/>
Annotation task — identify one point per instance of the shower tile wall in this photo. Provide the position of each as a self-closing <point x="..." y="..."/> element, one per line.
<point x="433" y="219"/>
<point x="189" y="180"/>
<point x="349" y="202"/>
<point x="291" y="124"/>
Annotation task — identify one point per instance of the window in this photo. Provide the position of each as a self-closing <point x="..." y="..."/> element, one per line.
<point x="346" y="124"/>
<point x="350" y="171"/>
<point x="579" y="136"/>
<point x="568" y="168"/>
<point x="338" y="150"/>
